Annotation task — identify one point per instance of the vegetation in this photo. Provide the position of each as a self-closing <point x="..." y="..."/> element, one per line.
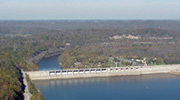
<point x="36" y="95"/>
<point x="85" y="44"/>
<point x="10" y="85"/>
<point x="155" y="54"/>
<point x="82" y="58"/>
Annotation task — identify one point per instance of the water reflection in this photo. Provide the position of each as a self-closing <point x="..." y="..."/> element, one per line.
<point x="50" y="63"/>
<point x="143" y="87"/>
<point x="108" y="80"/>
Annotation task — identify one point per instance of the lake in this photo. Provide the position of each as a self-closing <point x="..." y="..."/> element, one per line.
<point x="143" y="87"/>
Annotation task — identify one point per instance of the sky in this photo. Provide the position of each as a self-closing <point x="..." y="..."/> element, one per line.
<point x="89" y="9"/>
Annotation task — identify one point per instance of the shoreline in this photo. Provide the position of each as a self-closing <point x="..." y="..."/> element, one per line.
<point x="45" y="54"/>
<point x="27" y="94"/>
<point x="175" y="73"/>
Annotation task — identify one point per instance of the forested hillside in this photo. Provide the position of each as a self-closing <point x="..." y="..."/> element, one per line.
<point x="10" y="79"/>
<point x="83" y="44"/>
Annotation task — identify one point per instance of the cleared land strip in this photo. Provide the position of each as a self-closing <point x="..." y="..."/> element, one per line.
<point x="27" y="94"/>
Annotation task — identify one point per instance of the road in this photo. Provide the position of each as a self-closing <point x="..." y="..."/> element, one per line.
<point x="27" y="94"/>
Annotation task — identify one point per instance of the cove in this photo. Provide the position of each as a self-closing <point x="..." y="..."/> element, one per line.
<point x="50" y="63"/>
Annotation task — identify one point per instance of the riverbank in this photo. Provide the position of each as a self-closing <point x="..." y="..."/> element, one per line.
<point x="45" y="54"/>
<point x="101" y="72"/>
<point x="176" y="71"/>
<point x="36" y="59"/>
<point x="27" y="94"/>
<point x="30" y="91"/>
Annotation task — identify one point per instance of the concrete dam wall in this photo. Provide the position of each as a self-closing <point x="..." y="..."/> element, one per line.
<point x="101" y="72"/>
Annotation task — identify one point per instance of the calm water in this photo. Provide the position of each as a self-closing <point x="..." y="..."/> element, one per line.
<point x="50" y="63"/>
<point x="144" y="87"/>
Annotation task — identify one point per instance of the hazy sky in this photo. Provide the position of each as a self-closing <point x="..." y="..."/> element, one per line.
<point x="89" y="9"/>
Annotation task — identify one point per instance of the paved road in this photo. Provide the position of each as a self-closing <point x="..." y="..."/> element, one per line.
<point x="27" y="94"/>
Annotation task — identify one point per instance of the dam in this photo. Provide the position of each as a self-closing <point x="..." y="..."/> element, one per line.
<point x="101" y="72"/>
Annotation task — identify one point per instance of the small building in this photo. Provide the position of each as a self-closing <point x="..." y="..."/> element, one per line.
<point x="68" y="44"/>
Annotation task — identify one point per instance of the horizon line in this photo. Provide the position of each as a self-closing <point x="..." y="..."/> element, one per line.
<point x="89" y="19"/>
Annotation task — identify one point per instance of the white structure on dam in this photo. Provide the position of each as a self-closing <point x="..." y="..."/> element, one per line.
<point x="101" y="72"/>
